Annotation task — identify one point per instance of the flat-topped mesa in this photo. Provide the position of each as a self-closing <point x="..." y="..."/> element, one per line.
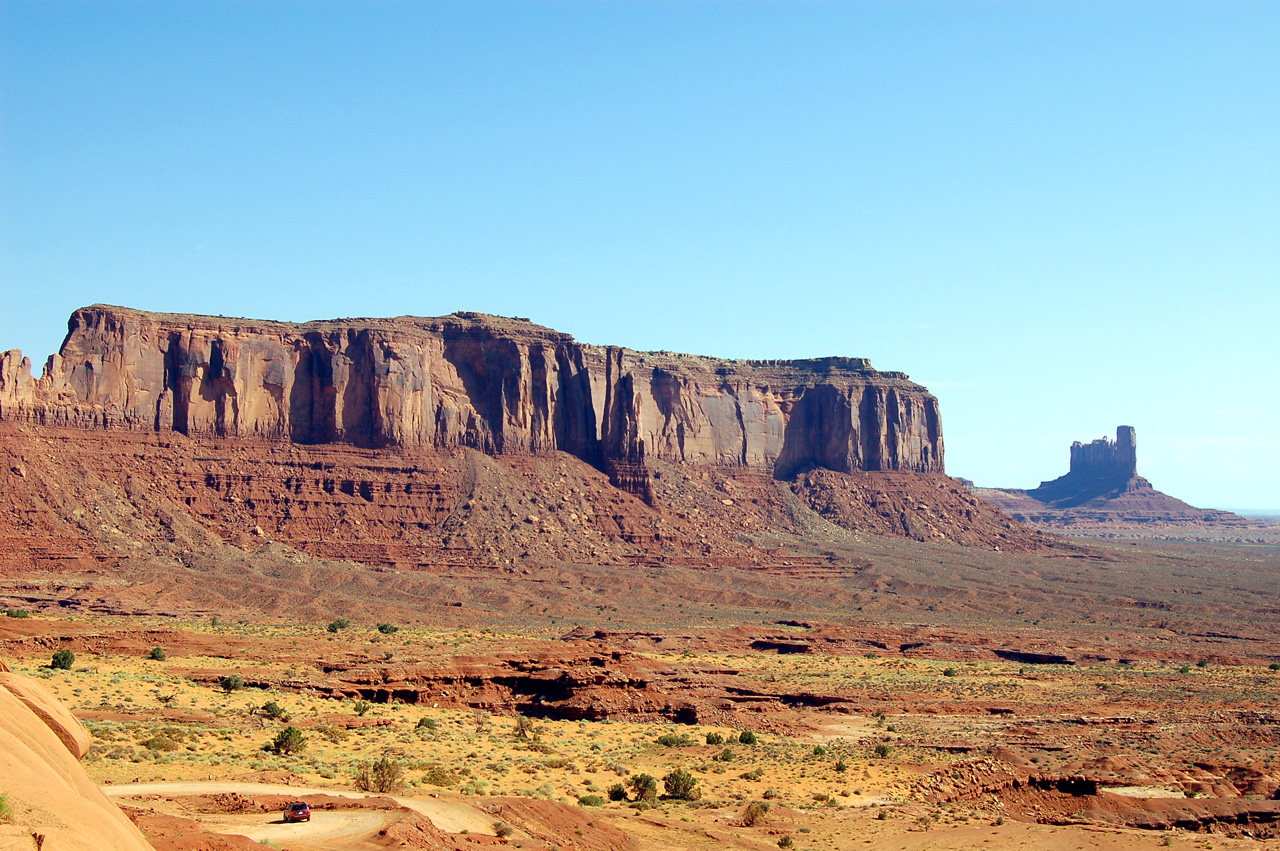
<point x="1107" y="458"/>
<point x="494" y="384"/>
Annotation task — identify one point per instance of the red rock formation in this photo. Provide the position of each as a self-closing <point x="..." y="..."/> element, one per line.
<point x="502" y="386"/>
<point x="1103" y="494"/>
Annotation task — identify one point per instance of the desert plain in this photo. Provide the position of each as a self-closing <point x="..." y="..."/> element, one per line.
<point x="553" y="619"/>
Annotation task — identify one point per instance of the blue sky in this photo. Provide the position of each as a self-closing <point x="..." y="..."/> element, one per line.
<point x="1060" y="217"/>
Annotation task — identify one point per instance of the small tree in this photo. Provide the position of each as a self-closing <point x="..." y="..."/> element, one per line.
<point x="361" y="707"/>
<point x="158" y="654"/>
<point x="338" y="624"/>
<point x="235" y="682"/>
<point x="714" y="738"/>
<point x="274" y="711"/>
<point x="681" y="785"/>
<point x="383" y="775"/>
<point x="646" y="788"/>
<point x="288" y="741"/>
<point x="388" y="628"/>
<point x="747" y="737"/>
<point x="63" y="660"/>
<point x="617" y="792"/>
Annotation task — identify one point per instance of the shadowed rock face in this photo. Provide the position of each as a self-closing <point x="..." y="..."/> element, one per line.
<point x="502" y="386"/>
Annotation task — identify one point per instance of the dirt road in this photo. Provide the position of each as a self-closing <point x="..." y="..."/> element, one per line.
<point x="447" y="813"/>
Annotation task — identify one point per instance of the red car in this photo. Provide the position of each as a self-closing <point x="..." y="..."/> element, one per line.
<point x="297" y="811"/>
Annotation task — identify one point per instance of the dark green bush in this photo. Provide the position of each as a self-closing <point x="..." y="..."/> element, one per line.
<point x="235" y="682"/>
<point x="717" y="739"/>
<point x="338" y="624"/>
<point x="16" y="613"/>
<point x="681" y="785"/>
<point x="158" y="654"/>
<point x="646" y="788"/>
<point x="617" y="792"/>
<point x="747" y="737"/>
<point x="274" y="711"/>
<point x="388" y="628"/>
<point x="288" y="741"/>
<point x="63" y="660"/>
<point x="590" y="801"/>
<point x="671" y="740"/>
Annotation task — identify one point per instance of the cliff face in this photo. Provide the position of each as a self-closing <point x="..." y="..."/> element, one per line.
<point x="501" y="386"/>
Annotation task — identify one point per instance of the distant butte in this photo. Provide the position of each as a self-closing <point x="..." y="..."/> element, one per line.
<point x="1103" y="495"/>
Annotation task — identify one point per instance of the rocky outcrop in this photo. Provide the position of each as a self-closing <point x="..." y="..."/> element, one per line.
<point x="54" y="803"/>
<point x="501" y="386"/>
<point x="1102" y="494"/>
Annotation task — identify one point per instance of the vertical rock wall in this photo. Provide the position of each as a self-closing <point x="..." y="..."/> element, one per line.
<point x="496" y="385"/>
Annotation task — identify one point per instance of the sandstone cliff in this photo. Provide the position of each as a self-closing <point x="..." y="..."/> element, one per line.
<point x="55" y="804"/>
<point x="501" y="386"/>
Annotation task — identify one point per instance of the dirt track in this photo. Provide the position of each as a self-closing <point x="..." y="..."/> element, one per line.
<point x="445" y="813"/>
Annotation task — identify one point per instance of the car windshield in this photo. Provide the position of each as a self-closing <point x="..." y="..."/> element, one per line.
<point x="299" y="806"/>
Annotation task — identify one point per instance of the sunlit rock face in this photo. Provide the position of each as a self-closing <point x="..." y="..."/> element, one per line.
<point x="498" y="385"/>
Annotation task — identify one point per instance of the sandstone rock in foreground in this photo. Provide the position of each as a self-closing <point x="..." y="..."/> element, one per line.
<point x="55" y="804"/>
<point x="502" y="386"/>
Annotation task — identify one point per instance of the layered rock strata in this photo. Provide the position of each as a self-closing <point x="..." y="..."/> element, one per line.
<point x="501" y="386"/>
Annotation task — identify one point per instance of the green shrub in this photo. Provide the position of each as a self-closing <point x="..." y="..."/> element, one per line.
<point x="819" y="750"/>
<point x="1185" y="669"/>
<point x="681" y="785"/>
<point x="590" y="801"/>
<point x="747" y="737"/>
<point x="502" y="830"/>
<point x="6" y="811"/>
<point x="339" y="624"/>
<point x="288" y="741"/>
<point x="841" y="765"/>
<point x="725" y="755"/>
<point x="16" y="613"/>
<point x="1275" y="666"/>
<point x="161" y="742"/>
<point x="785" y="841"/>
<point x="1203" y="663"/>
<point x="714" y="738"/>
<point x="771" y="794"/>
<point x="671" y="740"/>
<point x="882" y="751"/>
<point x="274" y="711"/>
<point x="426" y="724"/>
<point x="158" y="654"/>
<point x="63" y="660"/>
<point x="617" y="792"/>
<point x="949" y="672"/>
<point x="388" y="628"/>
<point x="235" y="682"/>
<point x="361" y="707"/>
<point x="754" y="813"/>
<point x="438" y="775"/>
<point x="646" y="788"/>
<point x="383" y="775"/>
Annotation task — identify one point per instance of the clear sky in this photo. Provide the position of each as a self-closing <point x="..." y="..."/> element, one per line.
<point x="1060" y="217"/>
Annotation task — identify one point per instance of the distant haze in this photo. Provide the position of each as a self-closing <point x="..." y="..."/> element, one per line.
<point x="1058" y="217"/>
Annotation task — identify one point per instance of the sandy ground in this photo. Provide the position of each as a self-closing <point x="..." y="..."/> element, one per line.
<point x="271" y="828"/>
<point x="451" y="816"/>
